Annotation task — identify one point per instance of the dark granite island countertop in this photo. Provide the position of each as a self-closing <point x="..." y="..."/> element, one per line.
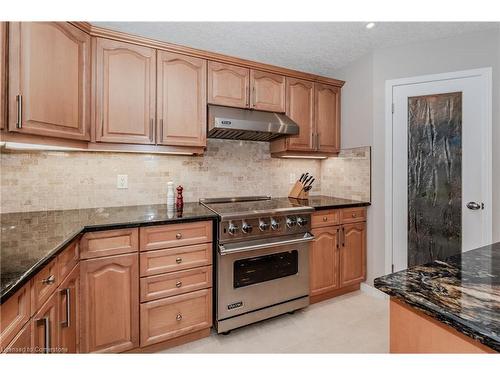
<point x="463" y="292"/>
<point x="29" y="240"/>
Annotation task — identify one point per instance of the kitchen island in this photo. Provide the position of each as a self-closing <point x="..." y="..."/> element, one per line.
<point x="450" y="306"/>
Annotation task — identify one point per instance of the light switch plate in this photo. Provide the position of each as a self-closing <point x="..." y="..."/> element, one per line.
<point x="122" y="181"/>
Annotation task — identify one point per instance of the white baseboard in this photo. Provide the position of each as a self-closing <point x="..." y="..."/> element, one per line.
<point x="372" y="291"/>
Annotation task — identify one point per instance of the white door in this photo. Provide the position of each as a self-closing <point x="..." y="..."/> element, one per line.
<point x="441" y="166"/>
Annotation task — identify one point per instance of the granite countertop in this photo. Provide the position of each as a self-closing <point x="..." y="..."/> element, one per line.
<point x="29" y="240"/>
<point x="463" y="292"/>
<point x="323" y="202"/>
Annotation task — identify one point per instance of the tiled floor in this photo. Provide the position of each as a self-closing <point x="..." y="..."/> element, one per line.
<point x="353" y="323"/>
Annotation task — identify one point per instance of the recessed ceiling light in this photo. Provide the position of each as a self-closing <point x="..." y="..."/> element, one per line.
<point x="370" y="25"/>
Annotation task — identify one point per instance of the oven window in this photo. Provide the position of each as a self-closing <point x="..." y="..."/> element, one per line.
<point x="268" y="267"/>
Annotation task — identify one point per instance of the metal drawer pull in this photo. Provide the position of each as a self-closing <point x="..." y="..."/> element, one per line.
<point x="178" y="317"/>
<point x="178" y="236"/>
<point x="49" y="280"/>
<point x="325" y="218"/>
<point x="343" y="237"/>
<point x="19" y="123"/>
<point x="264" y="244"/>
<point x="67" y="323"/>
<point x="338" y="239"/>
<point x="178" y="260"/>
<point x="46" y="332"/>
<point x="178" y="284"/>
<point x="353" y="214"/>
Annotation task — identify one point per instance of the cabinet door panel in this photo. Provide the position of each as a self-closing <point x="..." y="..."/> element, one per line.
<point x="14" y="313"/>
<point x="45" y="326"/>
<point x="327" y="115"/>
<point x="49" y="67"/>
<point x="268" y="91"/>
<point x="110" y="304"/>
<point x="228" y="85"/>
<point x="182" y="100"/>
<point x="22" y="343"/>
<point x="353" y="254"/>
<point x="125" y="90"/>
<point x="324" y="260"/>
<point x="68" y="295"/>
<point x="300" y="108"/>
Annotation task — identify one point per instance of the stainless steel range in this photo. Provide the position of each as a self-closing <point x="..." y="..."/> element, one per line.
<point x="262" y="262"/>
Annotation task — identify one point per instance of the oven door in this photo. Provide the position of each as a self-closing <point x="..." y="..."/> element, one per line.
<point x="256" y="274"/>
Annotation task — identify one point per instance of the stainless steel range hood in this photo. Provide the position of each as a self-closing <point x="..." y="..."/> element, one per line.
<point x="249" y="125"/>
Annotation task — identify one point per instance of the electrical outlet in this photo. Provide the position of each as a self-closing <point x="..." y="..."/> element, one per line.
<point x="292" y="178"/>
<point x="122" y="181"/>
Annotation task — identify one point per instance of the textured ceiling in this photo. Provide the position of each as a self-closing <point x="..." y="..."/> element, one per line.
<point x="315" y="47"/>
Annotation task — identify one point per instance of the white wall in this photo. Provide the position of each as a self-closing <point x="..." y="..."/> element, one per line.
<point x="466" y="51"/>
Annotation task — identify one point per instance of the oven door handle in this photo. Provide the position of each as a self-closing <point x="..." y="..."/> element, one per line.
<point x="234" y="248"/>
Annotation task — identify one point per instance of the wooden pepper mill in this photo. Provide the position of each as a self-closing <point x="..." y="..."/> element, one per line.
<point x="179" y="204"/>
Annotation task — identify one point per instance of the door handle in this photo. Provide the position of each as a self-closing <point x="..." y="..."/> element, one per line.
<point x="46" y="332"/>
<point x="475" y="206"/>
<point x="67" y="322"/>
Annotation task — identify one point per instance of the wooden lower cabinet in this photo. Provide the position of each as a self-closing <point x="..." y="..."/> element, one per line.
<point x="172" y="317"/>
<point x="68" y="295"/>
<point x="353" y="254"/>
<point x="110" y="304"/>
<point x="45" y="327"/>
<point x="337" y="260"/>
<point x="324" y="260"/>
<point x="22" y="343"/>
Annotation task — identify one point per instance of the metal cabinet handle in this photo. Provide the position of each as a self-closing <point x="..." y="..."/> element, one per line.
<point x="161" y="131"/>
<point x="19" y="123"/>
<point x="475" y="206"/>
<point x="338" y="239"/>
<point x="46" y="332"/>
<point x="178" y="284"/>
<point x="178" y="236"/>
<point x="151" y="121"/>
<point x="343" y="237"/>
<point x="178" y="260"/>
<point x="253" y="95"/>
<point x="67" y="323"/>
<point x="178" y="317"/>
<point x="353" y="214"/>
<point x="49" y="280"/>
<point x="317" y="141"/>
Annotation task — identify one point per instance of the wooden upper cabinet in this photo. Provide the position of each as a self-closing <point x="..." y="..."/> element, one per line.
<point x="125" y="89"/>
<point x="267" y="91"/>
<point x="300" y="108"/>
<point x="3" y="74"/>
<point x="49" y="79"/>
<point x="109" y="304"/>
<point x="182" y="100"/>
<point x="327" y="114"/>
<point x="324" y="260"/>
<point x="353" y="254"/>
<point x="228" y="85"/>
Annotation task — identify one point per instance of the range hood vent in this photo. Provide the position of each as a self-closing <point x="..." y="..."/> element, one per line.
<point x="248" y="125"/>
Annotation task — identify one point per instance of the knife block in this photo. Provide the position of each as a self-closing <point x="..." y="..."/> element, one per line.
<point x="298" y="192"/>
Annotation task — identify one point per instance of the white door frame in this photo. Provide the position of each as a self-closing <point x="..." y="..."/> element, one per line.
<point x="486" y="87"/>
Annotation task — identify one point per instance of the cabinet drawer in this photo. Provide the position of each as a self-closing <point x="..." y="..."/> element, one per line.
<point x="44" y="284"/>
<point x="353" y="215"/>
<point x="325" y="218"/>
<point x="68" y="259"/>
<point x="166" y="236"/>
<point x="171" y="284"/>
<point x="176" y="259"/>
<point x="14" y="313"/>
<point x="175" y="316"/>
<point x="110" y="242"/>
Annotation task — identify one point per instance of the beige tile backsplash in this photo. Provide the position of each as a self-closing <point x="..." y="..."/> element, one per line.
<point x="52" y="180"/>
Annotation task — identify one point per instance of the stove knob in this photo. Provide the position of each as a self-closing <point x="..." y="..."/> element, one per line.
<point x="233" y="228"/>
<point x="291" y="222"/>
<point x="246" y="228"/>
<point x="263" y="226"/>
<point x="275" y="224"/>
<point x="302" y="221"/>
